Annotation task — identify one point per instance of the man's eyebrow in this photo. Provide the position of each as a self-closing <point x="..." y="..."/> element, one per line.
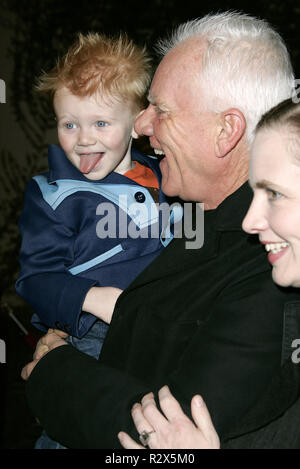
<point x="160" y="105"/>
<point x="151" y="98"/>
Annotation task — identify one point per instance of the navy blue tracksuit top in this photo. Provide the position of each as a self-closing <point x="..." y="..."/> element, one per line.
<point x="62" y="255"/>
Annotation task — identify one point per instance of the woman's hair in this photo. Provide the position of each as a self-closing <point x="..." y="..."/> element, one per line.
<point x="284" y="117"/>
<point x="285" y="114"/>
<point x="245" y="63"/>
<point x="97" y="64"/>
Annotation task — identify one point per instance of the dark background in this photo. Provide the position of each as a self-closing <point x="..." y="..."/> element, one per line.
<point x="32" y="34"/>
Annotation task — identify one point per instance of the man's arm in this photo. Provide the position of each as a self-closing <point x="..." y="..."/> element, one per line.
<point x="87" y="396"/>
<point x="229" y="362"/>
<point x="236" y="353"/>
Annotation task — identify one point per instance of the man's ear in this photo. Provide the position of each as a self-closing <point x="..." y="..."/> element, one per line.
<point x="231" y="128"/>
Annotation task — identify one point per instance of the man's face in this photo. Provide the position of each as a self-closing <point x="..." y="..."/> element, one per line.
<point x="179" y="126"/>
<point x="95" y="134"/>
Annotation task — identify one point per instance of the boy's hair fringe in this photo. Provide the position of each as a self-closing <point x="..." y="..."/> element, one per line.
<point x="96" y="64"/>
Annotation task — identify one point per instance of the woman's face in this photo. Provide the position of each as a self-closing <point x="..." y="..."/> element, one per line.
<point x="274" y="213"/>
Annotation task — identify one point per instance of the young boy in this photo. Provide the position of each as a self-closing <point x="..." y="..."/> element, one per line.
<point x="70" y="273"/>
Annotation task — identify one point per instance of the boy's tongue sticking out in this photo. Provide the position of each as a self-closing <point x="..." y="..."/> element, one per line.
<point x="89" y="161"/>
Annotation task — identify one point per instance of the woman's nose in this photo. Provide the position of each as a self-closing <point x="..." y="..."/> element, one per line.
<point x="255" y="220"/>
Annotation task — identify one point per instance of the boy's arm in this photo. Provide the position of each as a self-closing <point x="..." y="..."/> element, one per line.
<point x="100" y="301"/>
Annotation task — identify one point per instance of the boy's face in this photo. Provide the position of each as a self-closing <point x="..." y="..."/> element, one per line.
<point x="95" y="135"/>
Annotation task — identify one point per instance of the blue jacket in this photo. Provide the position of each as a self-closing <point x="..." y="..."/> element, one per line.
<point x="62" y="255"/>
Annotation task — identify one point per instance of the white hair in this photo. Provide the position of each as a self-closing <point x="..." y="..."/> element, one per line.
<point x="245" y="63"/>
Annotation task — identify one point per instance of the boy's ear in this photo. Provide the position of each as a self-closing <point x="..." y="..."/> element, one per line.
<point x="134" y="134"/>
<point x="231" y="128"/>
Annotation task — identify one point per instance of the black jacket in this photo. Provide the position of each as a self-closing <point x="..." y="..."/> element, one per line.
<point x="273" y="421"/>
<point x="206" y="321"/>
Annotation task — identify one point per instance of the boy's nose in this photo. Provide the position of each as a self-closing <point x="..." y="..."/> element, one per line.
<point x="86" y="137"/>
<point x="144" y="122"/>
<point x="255" y="220"/>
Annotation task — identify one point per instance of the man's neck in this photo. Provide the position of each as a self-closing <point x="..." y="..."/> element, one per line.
<point x="213" y="204"/>
<point x="234" y="176"/>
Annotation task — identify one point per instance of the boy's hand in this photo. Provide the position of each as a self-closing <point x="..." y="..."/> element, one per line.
<point x="53" y="339"/>
<point x="100" y="301"/>
<point x="42" y="346"/>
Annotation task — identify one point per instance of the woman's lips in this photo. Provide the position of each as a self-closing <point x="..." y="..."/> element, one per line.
<point x="275" y="250"/>
<point x="272" y="258"/>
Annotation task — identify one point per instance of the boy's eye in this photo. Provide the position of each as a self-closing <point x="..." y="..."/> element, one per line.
<point x="101" y="124"/>
<point x="273" y="195"/>
<point x="69" y="125"/>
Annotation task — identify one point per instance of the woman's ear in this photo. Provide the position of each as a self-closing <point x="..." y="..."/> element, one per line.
<point x="231" y="128"/>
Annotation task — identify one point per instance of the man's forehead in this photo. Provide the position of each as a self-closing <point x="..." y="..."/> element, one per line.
<point x="185" y="58"/>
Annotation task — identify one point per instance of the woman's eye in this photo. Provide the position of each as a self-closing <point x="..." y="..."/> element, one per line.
<point x="101" y="124"/>
<point x="273" y="195"/>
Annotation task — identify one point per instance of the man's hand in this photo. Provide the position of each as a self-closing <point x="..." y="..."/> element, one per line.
<point x="53" y="338"/>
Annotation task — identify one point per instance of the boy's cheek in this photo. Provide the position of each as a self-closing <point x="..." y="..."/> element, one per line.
<point x="65" y="141"/>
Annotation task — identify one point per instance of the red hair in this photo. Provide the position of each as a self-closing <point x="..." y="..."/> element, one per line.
<point x="97" y="64"/>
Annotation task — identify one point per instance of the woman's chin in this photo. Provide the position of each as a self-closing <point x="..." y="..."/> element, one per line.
<point x="285" y="281"/>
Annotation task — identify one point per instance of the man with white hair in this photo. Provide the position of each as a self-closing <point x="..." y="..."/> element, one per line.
<point x="209" y="320"/>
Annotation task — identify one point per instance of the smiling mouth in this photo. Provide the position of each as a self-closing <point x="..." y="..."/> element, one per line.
<point x="275" y="248"/>
<point x="158" y="152"/>
<point x="88" y="161"/>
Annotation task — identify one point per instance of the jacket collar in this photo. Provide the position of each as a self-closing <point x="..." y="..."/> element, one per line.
<point x="231" y="212"/>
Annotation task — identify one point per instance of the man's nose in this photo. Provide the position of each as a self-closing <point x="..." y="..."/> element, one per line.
<point x="255" y="220"/>
<point x="144" y="122"/>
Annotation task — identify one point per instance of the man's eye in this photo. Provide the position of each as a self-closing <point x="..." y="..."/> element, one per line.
<point x="101" y="124"/>
<point x="273" y="195"/>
